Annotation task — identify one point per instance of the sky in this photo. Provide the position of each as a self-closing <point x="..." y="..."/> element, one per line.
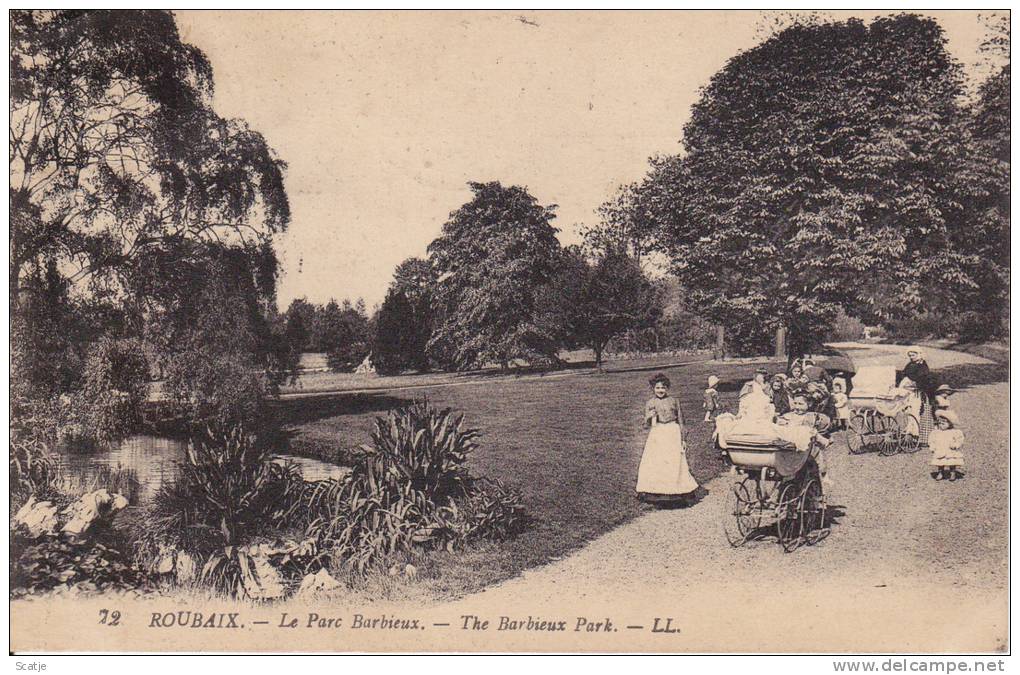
<point x="384" y="117"/>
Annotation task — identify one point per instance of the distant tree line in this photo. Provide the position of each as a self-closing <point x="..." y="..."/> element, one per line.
<point x="496" y="289"/>
<point x="342" y="331"/>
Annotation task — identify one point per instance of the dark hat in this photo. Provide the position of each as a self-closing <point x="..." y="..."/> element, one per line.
<point x="762" y="369"/>
<point x="944" y="389"/>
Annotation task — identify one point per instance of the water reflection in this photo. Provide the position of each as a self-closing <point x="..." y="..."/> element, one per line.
<point x="155" y="459"/>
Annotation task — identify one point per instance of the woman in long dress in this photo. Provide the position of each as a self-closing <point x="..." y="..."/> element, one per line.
<point x="664" y="474"/>
<point x="917" y="379"/>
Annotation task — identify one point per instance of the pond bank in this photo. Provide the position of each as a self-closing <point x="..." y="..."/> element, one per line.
<point x="153" y="461"/>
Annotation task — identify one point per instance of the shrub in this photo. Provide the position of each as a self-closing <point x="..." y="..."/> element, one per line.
<point x="493" y="511"/>
<point x="428" y="448"/>
<point x="51" y="562"/>
<point x="919" y="327"/>
<point x="845" y="329"/>
<point x="977" y="327"/>
<point x="218" y="388"/>
<point x="228" y="494"/>
<point x="31" y="466"/>
<point x="32" y="470"/>
<point x="410" y="491"/>
<point x="346" y="358"/>
<point x="227" y="491"/>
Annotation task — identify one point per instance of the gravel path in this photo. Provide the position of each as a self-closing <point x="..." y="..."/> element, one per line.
<point x="911" y="563"/>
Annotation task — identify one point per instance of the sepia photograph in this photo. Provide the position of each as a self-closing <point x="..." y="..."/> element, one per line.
<point x="516" y="331"/>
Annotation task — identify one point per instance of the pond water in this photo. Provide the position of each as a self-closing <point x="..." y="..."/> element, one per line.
<point x="155" y="459"/>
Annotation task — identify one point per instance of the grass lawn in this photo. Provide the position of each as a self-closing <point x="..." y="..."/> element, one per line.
<point x="580" y="360"/>
<point x="997" y="351"/>
<point x="571" y="443"/>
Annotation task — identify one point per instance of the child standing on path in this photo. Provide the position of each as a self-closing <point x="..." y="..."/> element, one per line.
<point x="946" y="439"/>
<point x="711" y="398"/>
<point x="841" y="402"/>
<point x="664" y="474"/>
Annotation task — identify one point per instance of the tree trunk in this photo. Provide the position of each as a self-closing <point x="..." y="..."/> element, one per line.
<point x="795" y="346"/>
<point x="720" y="342"/>
<point x="597" y="348"/>
<point x="780" y="342"/>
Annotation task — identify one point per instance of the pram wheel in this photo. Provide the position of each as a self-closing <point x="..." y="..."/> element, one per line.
<point x="746" y="513"/>
<point x="909" y="430"/>
<point x="888" y="434"/>
<point x="813" y="513"/>
<point x="788" y="516"/>
<point x="855" y="430"/>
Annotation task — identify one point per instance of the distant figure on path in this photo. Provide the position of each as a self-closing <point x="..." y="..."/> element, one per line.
<point x="664" y="475"/>
<point x="711" y="398"/>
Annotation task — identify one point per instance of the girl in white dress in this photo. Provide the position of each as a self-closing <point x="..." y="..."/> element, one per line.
<point x="664" y="474"/>
<point x="946" y="442"/>
<point x="841" y="402"/>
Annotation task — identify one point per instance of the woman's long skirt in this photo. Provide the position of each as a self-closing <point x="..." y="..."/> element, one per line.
<point x="926" y="422"/>
<point x="664" y="473"/>
<point x="921" y="409"/>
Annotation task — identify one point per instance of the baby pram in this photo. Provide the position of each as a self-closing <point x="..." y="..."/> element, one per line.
<point x="881" y="416"/>
<point x="778" y="484"/>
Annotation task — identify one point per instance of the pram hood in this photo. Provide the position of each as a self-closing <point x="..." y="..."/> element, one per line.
<point x="875" y="382"/>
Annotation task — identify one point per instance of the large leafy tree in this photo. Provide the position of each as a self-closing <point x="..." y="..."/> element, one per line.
<point x="415" y="278"/>
<point x="494" y="255"/>
<point x="299" y="320"/>
<point x="395" y="346"/>
<point x="403" y="324"/>
<point x="602" y="298"/>
<point x="118" y="162"/>
<point x="622" y="226"/>
<point x="984" y="183"/>
<point x="818" y="174"/>
<point x="114" y="146"/>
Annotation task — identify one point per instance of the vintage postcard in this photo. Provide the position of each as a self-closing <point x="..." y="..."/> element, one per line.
<point x="510" y="331"/>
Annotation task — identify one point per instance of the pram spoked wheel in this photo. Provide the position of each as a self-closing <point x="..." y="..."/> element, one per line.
<point x="812" y="513"/>
<point x="800" y="514"/>
<point x="888" y="434"/>
<point x="746" y="513"/>
<point x="855" y="429"/>
<point x="908" y="430"/>
<point x="789" y="523"/>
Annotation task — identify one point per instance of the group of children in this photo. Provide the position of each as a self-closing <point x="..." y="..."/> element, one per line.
<point x="665" y="475"/>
